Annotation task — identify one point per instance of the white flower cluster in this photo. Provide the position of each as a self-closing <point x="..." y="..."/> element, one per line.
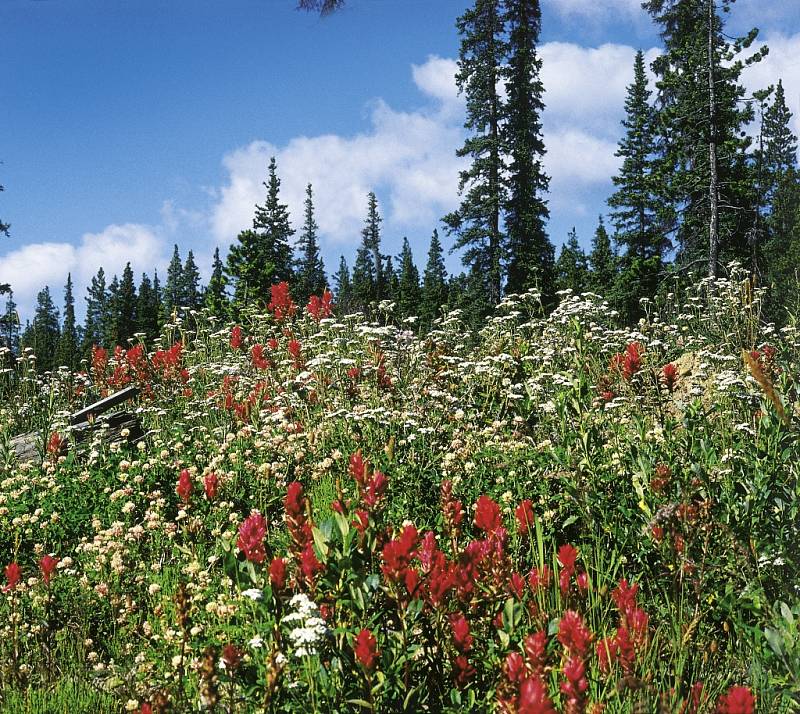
<point x="311" y="629"/>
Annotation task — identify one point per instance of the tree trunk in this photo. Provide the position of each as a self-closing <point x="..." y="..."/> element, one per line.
<point x="713" y="183"/>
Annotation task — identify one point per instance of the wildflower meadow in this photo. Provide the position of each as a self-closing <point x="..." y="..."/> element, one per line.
<point x="344" y="514"/>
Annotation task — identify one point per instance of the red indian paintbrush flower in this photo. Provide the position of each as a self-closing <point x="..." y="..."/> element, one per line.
<point x="462" y="638"/>
<point x="524" y="515"/>
<point x="231" y="657"/>
<point x="54" y="444"/>
<point x="573" y="634"/>
<point x="184" y="487"/>
<point x="48" y="566"/>
<point x="533" y="697"/>
<point x="737" y="700"/>
<point x="365" y="649"/>
<point x="669" y="376"/>
<point x="13" y="575"/>
<point x="487" y="515"/>
<point x="281" y="304"/>
<point x="236" y="337"/>
<point x="251" y="537"/>
<point x="320" y="307"/>
<point x="257" y="357"/>
<point x="211" y="484"/>
<point x="277" y="573"/>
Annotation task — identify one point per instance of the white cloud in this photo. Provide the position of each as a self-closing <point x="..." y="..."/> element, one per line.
<point x="780" y="63"/>
<point x="29" y="268"/>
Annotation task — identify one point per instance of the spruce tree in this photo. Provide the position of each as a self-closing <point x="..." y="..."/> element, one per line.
<point x="572" y="267"/>
<point x="68" y="345"/>
<point x="531" y="255"/>
<point x="476" y="224"/>
<point x="309" y="270"/>
<point x="111" y="312"/>
<point x="125" y="313"/>
<point x="391" y="279"/>
<point x="408" y="288"/>
<point x="342" y="287"/>
<point x="158" y="294"/>
<point x="173" y="289"/>
<point x="9" y="325"/>
<point x="782" y="191"/>
<point x="263" y="255"/>
<point x="703" y="166"/>
<point x="191" y="296"/>
<point x="602" y="264"/>
<point x="147" y="309"/>
<point x="636" y="206"/>
<point x="43" y="334"/>
<point x="216" y="297"/>
<point x="371" y="240"/>
<point x="363" y="289"/>
<point x="94" y="330"/>
<point x="434" y="283"/>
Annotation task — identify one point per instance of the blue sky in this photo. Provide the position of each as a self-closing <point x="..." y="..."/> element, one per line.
<point x="127" y="126"/>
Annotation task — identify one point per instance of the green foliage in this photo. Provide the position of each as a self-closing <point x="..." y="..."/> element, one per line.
<point x="572" y="267"/>
<point x="433" y="295"/>
<point x="216" y="296"/>
<point x="67" y="352"/>
<point x="42" y="335"/>
<point x="309" y="269"/>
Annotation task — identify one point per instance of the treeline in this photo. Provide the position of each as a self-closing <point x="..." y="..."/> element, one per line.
<point x="707" y="175"/>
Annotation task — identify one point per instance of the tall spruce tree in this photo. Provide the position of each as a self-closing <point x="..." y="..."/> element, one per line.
<point x="125" y="313"/>
<point x="111" y="313"/>
<point x="216" y="297"/>
<point x="94" y="330"/>
<point x="703" y="166"/>
<point x="173" y="288"/>
<point x="531" y="255"/>
<point x="391" y="279"/>
<point x="43" y="333"/>
<point x="782" y="191"/>
<point x="476" y="224"/>
<point x="191" y="295"/>
<point x="147" y="309"/>
<point x="434" y="283"/>
<point x="342" y="287"/>
<point x="9" y="325"/>
<point x="309" y="270"/>
<point x="636" y="205"/>
<point x="408" y="288"/>
<point x="68" y="352"/>
<point x="363" y="290"/>
<point x="572" y="267"/>
<point x="602" y="264"/>
<point x="371" y="240"/>
<point x="263" y="256"/>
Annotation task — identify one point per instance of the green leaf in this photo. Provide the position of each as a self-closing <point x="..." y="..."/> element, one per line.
<point x="320" y="541"/>
<point x="341" y="524"/>
<point x="787" y="613"/>
<point x="774" y="640"/>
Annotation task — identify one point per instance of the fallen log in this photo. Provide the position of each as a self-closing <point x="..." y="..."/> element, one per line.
<point x="117" y="426"/>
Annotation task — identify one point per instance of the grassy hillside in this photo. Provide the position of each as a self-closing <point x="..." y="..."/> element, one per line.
<point x="338" y="515"/>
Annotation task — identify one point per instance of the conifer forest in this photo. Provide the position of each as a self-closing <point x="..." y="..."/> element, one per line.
<point x="551" y="480"/>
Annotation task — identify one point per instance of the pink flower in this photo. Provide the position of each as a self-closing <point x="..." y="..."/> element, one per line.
<point x="277" y="573"/>
<point x="573" y="633"/>
<point x="365" y="649"/>
<point x="567" y="555"/>
<point x="533" y="698"/>
<point x="184" y="487"/>
<point x="251" y="537"/>
<point x="461" y="634"/>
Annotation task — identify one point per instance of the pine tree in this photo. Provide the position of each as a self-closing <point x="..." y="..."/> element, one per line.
<point x="9" y="325"/>
<point x="703" y="165"/>
<point x="408" y="288"/>
<point x="309" y="270"/>
<point x="371" y="240"/>
<point x="602" y="264"/>
<point x="68" y="350"/>
<point x="391" y="279"/>
<point x="111" y="312"/>
<point x="147" y="309"/>
<point x="190" y="284"/>
<point x="94" y="331"/>
<point x="434" y="283"/>
<point x="263" y="255"/>
<point x="476" y="223"/>
<point x="635" y="204"/>
<point x="572" y="268"/>
<point x="531" y="255"/>
<point x="781" y="188"/>
<point x="363" y="290"/>
<point x="158" y="294"/>
<point x="343" y="287"/>
<point x="125" y="313"/>
<point x="43" y="334"/>
<point x="216" y="297"/>
<point x="173" y="289"/>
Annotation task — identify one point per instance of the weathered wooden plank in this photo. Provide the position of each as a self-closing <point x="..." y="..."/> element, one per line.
<point x="104" y="405"/>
